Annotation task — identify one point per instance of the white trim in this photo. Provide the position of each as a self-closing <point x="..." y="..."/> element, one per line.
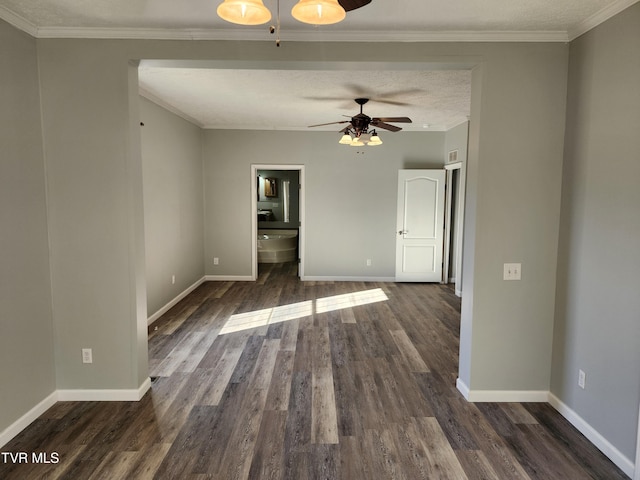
<point x="592" y="435"/>
<point x="104" y="395"/>
<point x="319" y="36"/>
<point x="454" y="165"/>
<point x="229" y="278"/>
<point x="599" y="17"/>
<point x="25" y="420"/>
<point x="71" y="395"/>
<point x="316" y="278"/>
<point x="17" y="21"/>
<point x="508" y="396"/>
<point x="160" y="102"/>
<point x="636" y="473"/>
<point x="462" y="388"/>
<point x="230" y="34"/>
<point x="173" y="302"/>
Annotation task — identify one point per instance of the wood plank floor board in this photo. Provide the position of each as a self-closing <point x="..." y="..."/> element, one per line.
<point x="319" y="388"/>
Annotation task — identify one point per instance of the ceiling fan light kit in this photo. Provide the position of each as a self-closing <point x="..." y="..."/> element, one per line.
<point x="314" y="12"/>
<point x="318" y="12"/>
<point x="244" y="12"/>
<point x="357" y="133"/>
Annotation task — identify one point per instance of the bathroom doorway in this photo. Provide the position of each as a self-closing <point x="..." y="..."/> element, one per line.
<point x="277" y="215"/>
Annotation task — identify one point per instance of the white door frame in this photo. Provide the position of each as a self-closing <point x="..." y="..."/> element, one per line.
<point x="459" y="216"/>
<point x="254" y="214"/>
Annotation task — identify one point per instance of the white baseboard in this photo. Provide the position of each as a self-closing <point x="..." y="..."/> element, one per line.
<point x="104" y="395"/>
<point x="346" y="279"/>
<point x="24" y="421"/>
<point x="71" y="395"/>
<point x="626" y="465"/>
<point x="498" y="396"/>
<point x="593" y="435"/>
<point x="173" y="302"/>
<point x="229" y="278"/>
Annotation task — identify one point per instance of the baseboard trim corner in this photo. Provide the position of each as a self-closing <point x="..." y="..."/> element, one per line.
<point x="25" y="420"/>
<point x="315" y="278"/>
<point x="105" y="395"/>
<point x="229" y="278"/>
<point x="507" y="396"/>
<point x="462" y="388"/>
<point x="593" y="435"/>
<point x="173" y="302"/>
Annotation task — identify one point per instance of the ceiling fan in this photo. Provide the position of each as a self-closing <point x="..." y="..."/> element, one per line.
<point x="360" y="123"/>
<point x="349" y="5"/>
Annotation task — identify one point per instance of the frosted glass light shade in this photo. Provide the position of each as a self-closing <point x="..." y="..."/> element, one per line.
<point x="374" y="140"/>
<point x="346" y="139"/>
<point x="318" y="12"/>
<point x="244" y="12"/>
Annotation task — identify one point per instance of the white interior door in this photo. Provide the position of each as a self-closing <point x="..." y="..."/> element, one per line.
<point x="420" y="225"/>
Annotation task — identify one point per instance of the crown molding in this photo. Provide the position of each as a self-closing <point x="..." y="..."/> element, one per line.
<point x="599" y="17"/>
<point x="161" y="103"/>
<point x="261" y="34"/>
<point x="297" y="35"/>
<point x="17" y="21"/>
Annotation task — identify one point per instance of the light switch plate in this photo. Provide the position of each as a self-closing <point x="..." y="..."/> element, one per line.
<point x="512" y="271"/>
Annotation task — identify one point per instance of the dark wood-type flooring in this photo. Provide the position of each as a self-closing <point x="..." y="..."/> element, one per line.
<point x="282" y="379"/>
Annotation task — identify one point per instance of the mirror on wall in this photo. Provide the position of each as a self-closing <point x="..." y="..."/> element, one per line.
<point x="271" y="187"/>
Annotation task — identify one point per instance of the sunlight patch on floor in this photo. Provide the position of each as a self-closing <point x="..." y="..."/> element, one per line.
<point x="284" y="313"/>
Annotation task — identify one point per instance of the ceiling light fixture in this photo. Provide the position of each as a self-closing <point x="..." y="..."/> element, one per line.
<point x="371" y="138"/>
<point x="244" y="12"/>
<point x="318" y="12"/>
<point x="253" y="12"/>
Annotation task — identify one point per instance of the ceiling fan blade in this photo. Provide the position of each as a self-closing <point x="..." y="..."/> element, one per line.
<point x="330" y="123"/>
<point x="394" y="119"/>
<point x="349" y="5"/>
<point x="379" y="124"/>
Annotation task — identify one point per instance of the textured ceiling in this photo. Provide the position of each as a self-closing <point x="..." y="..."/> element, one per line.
<point x="294" y="99"/>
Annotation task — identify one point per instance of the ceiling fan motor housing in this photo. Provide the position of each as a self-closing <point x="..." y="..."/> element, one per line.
<point x="360" y="123"/>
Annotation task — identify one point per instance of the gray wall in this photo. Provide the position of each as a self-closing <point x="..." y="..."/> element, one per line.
<point x="94" y="184"/>
<point x="350" y="196"/>
<point x="597" y="326"/>
<point x="173" y="204"/>
<point x="512" y="215"/>
<point x="27" y="375"/>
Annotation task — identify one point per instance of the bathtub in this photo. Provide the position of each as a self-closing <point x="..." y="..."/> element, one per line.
<point x="277" y="246"/>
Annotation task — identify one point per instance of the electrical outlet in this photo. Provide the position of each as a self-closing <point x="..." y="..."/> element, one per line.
<point x="216" y="260"/>
<point x="512" y="271"/>
<point x="368" y="262"/>
<point x="87" y="355"/>
<point x="582" y="377"/>
<point x="173" y="279"/>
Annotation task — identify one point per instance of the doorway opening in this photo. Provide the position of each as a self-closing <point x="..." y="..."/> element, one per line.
<point x="277" y="215"/>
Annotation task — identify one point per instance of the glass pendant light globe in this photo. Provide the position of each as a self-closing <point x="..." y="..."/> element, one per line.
<point x="318" y="12"/>
<point x="244" y="12"/>
<point x="374" y="140"/>
<point x="346" y="139"/>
